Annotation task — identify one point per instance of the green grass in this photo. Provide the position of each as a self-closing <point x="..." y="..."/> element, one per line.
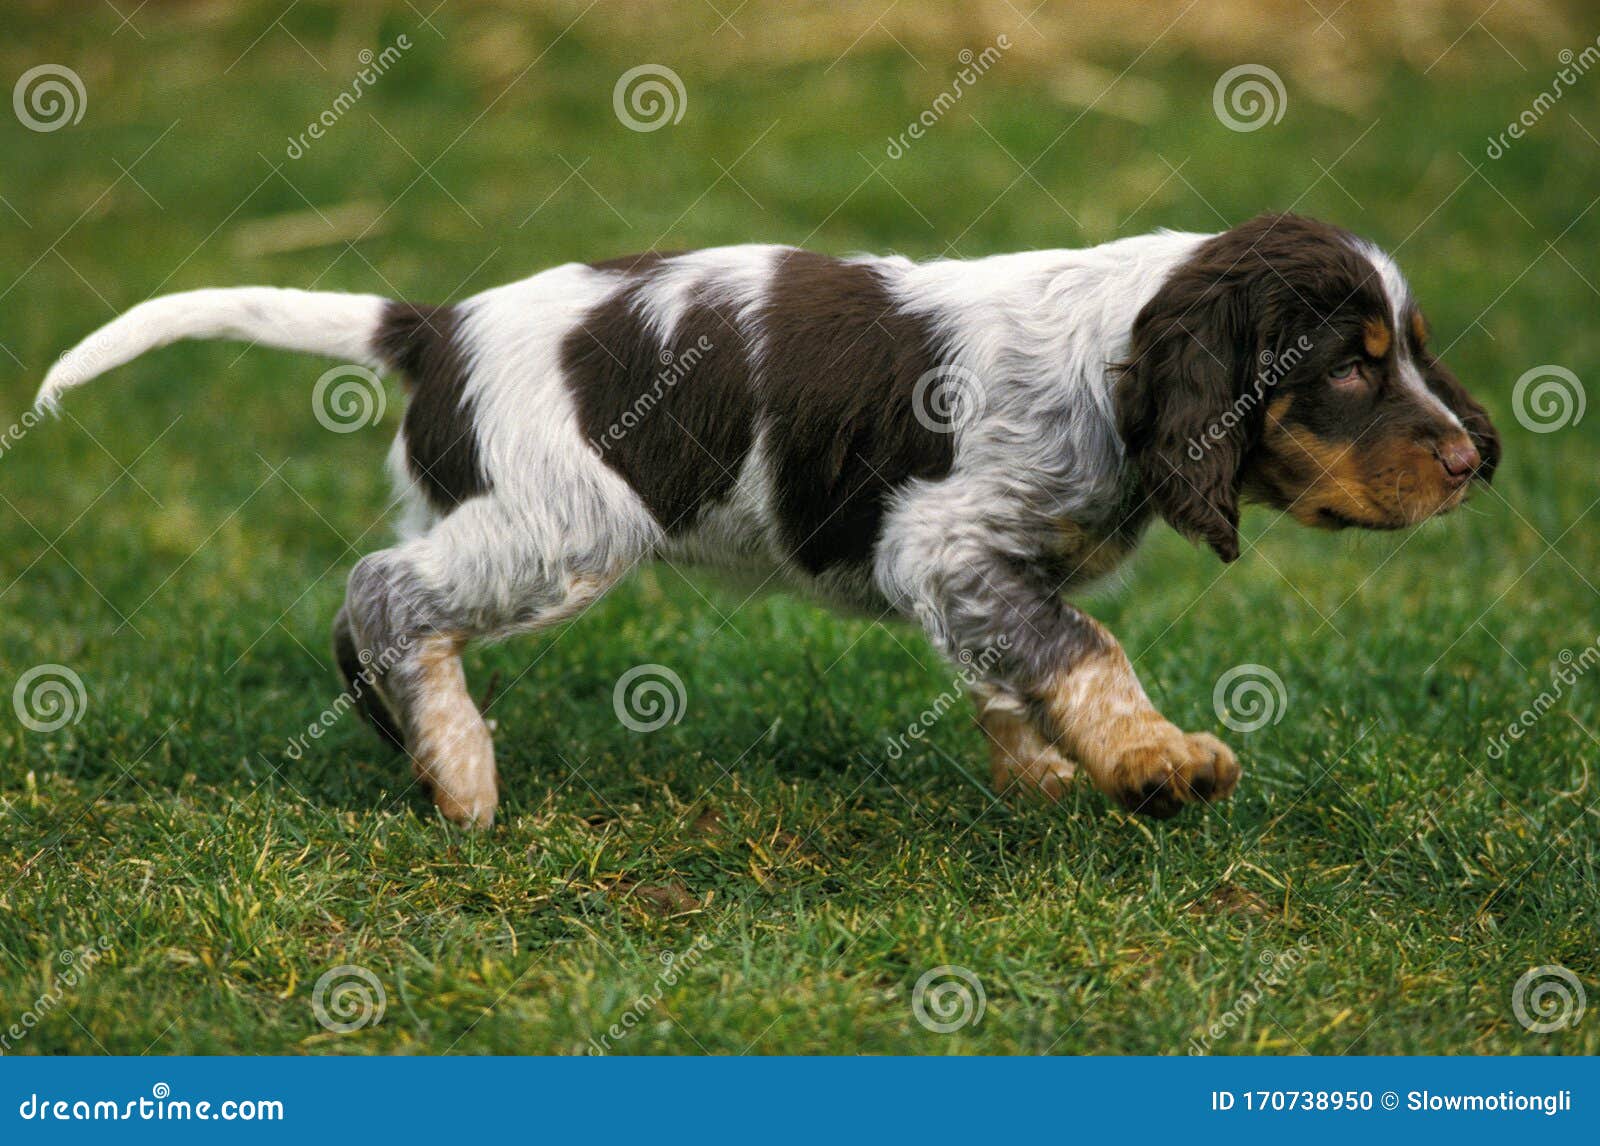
<point x="192" y="591"/>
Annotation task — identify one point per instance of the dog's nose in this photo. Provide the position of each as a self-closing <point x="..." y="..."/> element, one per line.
<point x="1459" y="457"/>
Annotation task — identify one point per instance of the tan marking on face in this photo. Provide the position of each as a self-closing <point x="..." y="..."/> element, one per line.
<point x="1377" y="337"/>
<point x="1419" y="327"/>
<point x="1387" y="483"/>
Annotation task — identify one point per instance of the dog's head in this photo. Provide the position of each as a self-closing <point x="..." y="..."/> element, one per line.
<point x="1286" y="362"/>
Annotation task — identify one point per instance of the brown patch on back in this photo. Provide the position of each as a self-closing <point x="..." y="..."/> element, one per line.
<point x="841" y="362"/>
<point x="676" y="419"/>
<point x="1377" y="337"/>
<point x="422" y="343"/>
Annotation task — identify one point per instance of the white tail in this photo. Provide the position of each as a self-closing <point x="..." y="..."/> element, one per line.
<point x="317" y="322"/>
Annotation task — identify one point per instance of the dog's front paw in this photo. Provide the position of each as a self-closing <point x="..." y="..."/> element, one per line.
<point x="1157" y="768"/>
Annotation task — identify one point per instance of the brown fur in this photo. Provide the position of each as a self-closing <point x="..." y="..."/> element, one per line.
<point x="441" y="439"/>
<point x="1020" y="760"/>
<point x="1377" y="337"/>
<point x="1388" y="484"/>
<point x="1131" y="752"/>
<point x="1419" y="328"/>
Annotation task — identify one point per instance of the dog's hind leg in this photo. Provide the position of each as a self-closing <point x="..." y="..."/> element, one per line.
<point x="410" y="611"/>
<point x="360" y="681"/>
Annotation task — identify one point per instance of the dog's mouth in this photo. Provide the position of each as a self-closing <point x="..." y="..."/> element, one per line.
<point x="1326" y="517"/>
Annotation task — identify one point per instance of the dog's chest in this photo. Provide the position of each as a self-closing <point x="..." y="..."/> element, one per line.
<point x="1082" y="555"/>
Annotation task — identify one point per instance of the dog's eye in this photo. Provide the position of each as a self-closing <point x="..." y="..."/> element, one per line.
<point x="1347" y="374"/>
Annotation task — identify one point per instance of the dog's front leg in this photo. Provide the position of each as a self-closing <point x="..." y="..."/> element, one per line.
<point x="1054" y="687"/>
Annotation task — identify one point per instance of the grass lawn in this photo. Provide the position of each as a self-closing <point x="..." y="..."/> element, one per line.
<point x="180" y="542"/>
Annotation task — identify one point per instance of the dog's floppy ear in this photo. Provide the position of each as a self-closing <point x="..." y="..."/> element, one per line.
<point x="1181" y="411"/>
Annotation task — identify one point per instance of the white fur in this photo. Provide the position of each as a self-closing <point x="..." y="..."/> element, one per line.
<point x="317" y="322"/>
<point x="1398" y="293"/>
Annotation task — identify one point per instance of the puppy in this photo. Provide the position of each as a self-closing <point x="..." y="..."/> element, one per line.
<point x="960" y="442"/>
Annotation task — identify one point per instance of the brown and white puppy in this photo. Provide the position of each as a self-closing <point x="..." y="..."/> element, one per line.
<point x="961" y="442"/>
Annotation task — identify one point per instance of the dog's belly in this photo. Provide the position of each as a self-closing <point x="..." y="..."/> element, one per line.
<point x="750" y="564"/>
